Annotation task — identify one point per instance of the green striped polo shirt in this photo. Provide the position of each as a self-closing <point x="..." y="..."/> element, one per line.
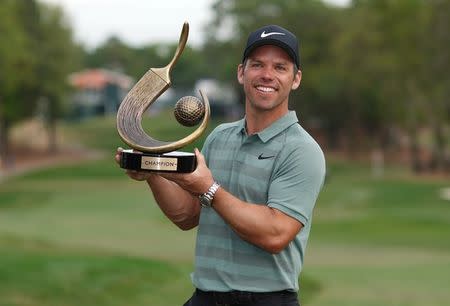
<point x="282" y="167"/>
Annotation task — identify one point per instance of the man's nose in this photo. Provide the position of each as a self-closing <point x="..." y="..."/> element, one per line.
<point x="267" y="73"/>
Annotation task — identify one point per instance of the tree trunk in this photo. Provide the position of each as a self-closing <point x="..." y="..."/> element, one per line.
<point x="414" y="151"/>
<point x="438" y="160"/>
<point x="5" y="161"/>
<point x="52" y="142"/>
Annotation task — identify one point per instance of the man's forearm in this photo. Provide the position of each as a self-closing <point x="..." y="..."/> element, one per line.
<point x="266" y="227"/>
<point x="177" y="204"/>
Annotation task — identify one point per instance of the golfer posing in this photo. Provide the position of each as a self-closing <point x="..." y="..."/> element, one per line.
<point x="253" y="192"/>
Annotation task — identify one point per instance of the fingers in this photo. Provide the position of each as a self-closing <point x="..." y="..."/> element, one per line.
<point x="199" y="156"/>
<point x="178" y="178"/>
<point x="118" y="155"/>
<point x="138" y="175"/>
<point x="133" y="174"/>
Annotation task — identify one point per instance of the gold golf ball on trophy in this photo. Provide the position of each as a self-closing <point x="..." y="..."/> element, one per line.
<point x="189" y="111"/>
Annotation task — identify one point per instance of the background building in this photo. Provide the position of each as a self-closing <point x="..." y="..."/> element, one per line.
<point x="97" y="92"/>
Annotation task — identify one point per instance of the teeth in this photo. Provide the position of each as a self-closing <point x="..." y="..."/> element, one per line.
<point x="265" y="89"/>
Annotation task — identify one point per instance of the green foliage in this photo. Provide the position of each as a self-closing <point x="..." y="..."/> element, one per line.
<point x="135" y="61"/>
<point x="15" y="55"/>
<point x="55" y="42"/>
<point x="394" y="46"/>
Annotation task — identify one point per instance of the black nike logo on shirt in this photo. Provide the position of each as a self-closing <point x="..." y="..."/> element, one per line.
<point x="265" y="157"/>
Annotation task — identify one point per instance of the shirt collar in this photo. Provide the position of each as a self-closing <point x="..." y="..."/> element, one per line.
<point x="241" y="127"/>
<point x="275" y="128"/>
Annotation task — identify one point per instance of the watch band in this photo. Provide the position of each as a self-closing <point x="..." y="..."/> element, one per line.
<point x="208" y="196"/>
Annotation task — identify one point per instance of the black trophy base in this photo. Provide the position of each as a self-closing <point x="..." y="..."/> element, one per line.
<point x="176" y="161"/>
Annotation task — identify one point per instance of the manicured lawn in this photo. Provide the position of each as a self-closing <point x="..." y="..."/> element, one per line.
<point x="380" y="241"/>
<point x="39" y="273"/>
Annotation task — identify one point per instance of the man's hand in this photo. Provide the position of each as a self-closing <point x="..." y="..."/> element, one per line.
<point x="196" y="182"/>
<point x="135" y="175"/>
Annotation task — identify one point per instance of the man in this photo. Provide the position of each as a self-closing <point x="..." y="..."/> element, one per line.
<point x="254" y="189"/>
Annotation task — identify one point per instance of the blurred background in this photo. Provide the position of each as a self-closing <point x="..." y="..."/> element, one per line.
<point x="375" y="94"/>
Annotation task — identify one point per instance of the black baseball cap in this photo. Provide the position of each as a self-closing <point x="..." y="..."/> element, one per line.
<point x="273" y="35"/>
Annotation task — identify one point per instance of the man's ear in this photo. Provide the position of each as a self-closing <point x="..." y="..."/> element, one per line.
<point x="240" y="74"/>
<point x="297" y="80"/>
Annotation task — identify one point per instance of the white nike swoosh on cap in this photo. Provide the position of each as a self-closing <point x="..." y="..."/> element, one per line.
<point x="264" y="34"/>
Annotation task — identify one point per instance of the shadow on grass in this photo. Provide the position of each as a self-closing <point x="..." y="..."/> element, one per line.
<point x="38" y="273"/>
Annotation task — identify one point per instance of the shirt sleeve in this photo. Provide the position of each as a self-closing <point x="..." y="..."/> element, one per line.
<point x="297" y="181"/>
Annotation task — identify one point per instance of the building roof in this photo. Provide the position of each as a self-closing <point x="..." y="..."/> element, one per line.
<point x="99" y="78"/>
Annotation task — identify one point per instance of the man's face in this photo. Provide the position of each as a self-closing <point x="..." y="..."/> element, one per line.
<point x="268" y="77"/>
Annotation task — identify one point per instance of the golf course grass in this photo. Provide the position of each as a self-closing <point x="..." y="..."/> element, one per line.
<point x="84" y="234"/>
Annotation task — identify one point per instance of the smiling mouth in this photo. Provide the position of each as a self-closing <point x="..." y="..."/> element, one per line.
<point x="265" y="89"/>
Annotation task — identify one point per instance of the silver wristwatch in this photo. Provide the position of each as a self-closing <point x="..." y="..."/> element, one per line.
<point x="207" y="198"/>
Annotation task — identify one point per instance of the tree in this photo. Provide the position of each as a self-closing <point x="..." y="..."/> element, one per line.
<point x="35" y="61"/>
<point x="437" y="80"/>
<point x="16" y="62"/>
<point x="135" y="61"/>
<point x="58" y="55"/>
<point x="400" y="49"/>
<point x="113" y="54"/>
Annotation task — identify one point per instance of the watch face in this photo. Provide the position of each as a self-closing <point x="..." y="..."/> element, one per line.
<point x="204" y="201"/>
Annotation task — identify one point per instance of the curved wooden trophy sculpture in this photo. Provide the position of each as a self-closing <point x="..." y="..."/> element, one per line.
<point x="155" y="155"/>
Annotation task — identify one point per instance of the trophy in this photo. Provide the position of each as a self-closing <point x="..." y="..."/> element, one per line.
<point x="152" y="154"/>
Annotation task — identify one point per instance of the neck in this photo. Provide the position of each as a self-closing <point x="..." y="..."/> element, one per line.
<point x="258" y="121"/>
